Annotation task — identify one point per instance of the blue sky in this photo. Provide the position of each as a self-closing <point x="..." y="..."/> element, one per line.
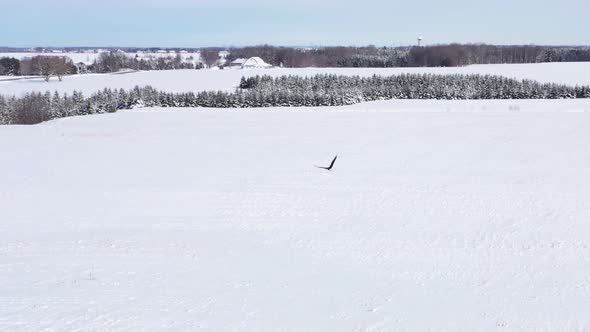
<point x="197" y="23"/>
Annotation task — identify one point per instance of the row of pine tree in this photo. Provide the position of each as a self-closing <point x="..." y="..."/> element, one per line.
<point x="286" y="91"/>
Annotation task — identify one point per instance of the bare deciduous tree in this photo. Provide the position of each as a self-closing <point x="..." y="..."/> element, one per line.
<point x="26" y="67"/>
<point x="63" y="66"/>
<point x="47" y="66"/>
<point x="42" y="66"/>
<point x="210" y="57"/>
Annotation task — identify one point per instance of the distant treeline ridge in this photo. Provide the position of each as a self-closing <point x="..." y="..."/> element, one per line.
<point x="429" y="56"/>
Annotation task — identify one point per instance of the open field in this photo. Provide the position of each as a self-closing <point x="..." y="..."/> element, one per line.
<point x="464" y="216"/>
<point x="438" y="215"/>
<point x="199" y="80"/>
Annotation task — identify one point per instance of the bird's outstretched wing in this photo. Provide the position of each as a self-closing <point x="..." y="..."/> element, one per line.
<point x="331" y="164"/>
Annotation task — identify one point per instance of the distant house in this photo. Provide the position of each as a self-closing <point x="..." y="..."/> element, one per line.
<point x="237" y="63"/>
<point x="255" y="63"/>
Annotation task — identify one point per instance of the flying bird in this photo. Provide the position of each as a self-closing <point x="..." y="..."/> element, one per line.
<point x="329" y="168"/>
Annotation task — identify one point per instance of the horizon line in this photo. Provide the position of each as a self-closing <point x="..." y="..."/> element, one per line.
<point x="293" y="46"/>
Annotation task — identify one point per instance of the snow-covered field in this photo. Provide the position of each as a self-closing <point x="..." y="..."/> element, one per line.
<point x="458" y="216"/>
<point x="438" y="215"/>
<point x="197" y="80"/>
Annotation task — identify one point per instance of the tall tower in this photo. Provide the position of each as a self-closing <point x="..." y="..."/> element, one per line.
<point x="420" y="41"/>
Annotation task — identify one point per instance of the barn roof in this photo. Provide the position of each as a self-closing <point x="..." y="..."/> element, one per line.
<point x="255" y="62"/>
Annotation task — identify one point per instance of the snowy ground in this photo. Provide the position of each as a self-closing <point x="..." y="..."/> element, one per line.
<point x="460" y="216"/>
<point x="197" y="80"/>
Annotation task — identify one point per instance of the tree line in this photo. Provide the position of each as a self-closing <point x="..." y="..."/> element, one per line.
<point x="110" y="62"/>
<point x="107" y="62"/>
<point x="286" y="91"/>
<point x="428" y="56"/>
<point x="45" y="66"/>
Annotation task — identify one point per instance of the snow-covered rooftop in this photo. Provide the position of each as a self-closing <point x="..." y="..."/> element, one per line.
<point x="238" y="61"/>
<point x="255" y="62"/>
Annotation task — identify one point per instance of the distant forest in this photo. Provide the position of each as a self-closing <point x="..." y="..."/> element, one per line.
<point x="452" y="55"/>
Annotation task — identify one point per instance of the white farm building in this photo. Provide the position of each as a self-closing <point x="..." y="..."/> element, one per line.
<point x="250" y="63"/>
<point x="237" y="62"/>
